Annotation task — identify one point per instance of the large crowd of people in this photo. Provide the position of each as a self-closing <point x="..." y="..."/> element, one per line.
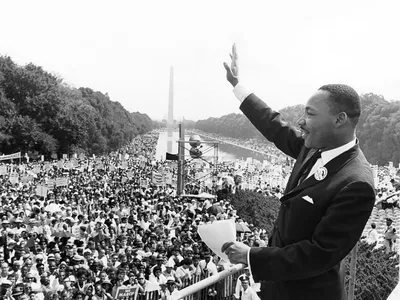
<point x="106" y="229"/>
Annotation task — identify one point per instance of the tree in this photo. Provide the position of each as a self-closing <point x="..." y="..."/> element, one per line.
<point x="38" y="112"/>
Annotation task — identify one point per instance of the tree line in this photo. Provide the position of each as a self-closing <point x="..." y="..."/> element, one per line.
<point x="378" y="129"/>
<point x="40" y="114"/>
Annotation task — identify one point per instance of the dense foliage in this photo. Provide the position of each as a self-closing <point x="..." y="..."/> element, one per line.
<point x="376" y="271"/>
<point x="378" y="127"/>
<point x="256" y="209"/>
<point x="38" y="113"/>
<point x="232" y="125"/>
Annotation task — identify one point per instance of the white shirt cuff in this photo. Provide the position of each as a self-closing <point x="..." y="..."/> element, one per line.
<point x="240" y="92"/>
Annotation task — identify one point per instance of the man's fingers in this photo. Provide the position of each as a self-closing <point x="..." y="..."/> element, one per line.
<point x="226" y="246"/>
<point x="234" y="50"/>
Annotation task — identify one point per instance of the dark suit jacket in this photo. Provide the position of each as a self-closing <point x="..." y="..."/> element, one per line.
<point x="309" y="241"/>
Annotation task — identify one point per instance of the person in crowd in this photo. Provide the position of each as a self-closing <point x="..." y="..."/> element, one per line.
<point x="373" y="235"/>
<point x="100" y="293"/>
<point x="171" y="290"/>
<point x="246" y="292"/>
<point x="238" y="287"/>
<point x="390" y="235"/>
<point x="157" y="277"/>
<point x="186" y="270"/>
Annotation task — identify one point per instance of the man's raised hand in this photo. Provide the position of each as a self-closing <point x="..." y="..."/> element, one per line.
<point x="232" y="71"/>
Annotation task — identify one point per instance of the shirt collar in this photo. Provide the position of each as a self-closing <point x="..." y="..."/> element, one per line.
<point x="327" y="156"/>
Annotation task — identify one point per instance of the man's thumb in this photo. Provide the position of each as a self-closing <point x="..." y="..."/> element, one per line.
<point x="226" y="246"/>
<point x="227" y="68"/>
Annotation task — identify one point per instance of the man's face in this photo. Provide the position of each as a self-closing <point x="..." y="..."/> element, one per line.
<point x="245" y="284"/>
<point x="112" y="275"/>
<point x="317" y="123"/>
<point x="99" y="290"/>
<point x="45" y="280"/>
<point x="24" y="270"/>
<point x="52" y="266"/>
<point x="16" y="267"/>
<point x="121" y="274"/>
<point x="40" y="269"/>
<point x="103" y="276"/>
<point x="28" y="264"/>
<point x="4" y="268"/>
<point x="171" y="287"/>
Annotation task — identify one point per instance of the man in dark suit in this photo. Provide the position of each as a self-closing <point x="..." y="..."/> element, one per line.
<point x="328" y="199"/>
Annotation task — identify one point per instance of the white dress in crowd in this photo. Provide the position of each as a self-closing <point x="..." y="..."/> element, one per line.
<point x="373" y="236"/>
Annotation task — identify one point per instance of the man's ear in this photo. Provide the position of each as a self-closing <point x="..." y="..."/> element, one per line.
<point x="341" y="118"/>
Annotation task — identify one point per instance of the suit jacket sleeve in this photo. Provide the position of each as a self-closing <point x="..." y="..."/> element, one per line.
<point x="334" y="237"/>
<point x="272" y="125"/>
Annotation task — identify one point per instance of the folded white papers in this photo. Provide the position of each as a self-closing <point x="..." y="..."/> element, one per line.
<point x="218" y="233"/>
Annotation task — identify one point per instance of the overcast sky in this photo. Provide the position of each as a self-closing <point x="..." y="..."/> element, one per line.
<point x="287" y="49"/>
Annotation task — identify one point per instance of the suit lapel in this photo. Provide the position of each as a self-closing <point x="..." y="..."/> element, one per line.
<point x="333" y="167"/>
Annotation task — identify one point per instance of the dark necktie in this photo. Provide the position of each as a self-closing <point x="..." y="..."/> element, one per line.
<point x="305" y="170"/>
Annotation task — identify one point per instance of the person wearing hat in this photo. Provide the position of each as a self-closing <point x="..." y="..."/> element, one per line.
<point x="170" y="273"/>
<point x="172" y="288"/>
<point x="78" y="260"/>
<point x="17" y="292"/>
<point x="5" y="287"/>
<point x="255" y="286"/>
<point x="107" y="285"/>
<point x="5" y="224"/>
<point x="390" y="236"/>
<point x="69" y="285"/>
<point x="114" y="261"/>
<point x="246" y="292"/>
<point x="207" y="265"/>
<point x="160" y="259"/>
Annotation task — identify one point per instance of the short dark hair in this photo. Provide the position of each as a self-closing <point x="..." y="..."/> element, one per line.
<point x="344" y="98"/>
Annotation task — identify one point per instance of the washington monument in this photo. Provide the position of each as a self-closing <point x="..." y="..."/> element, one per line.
<point x="170" y="121"/>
